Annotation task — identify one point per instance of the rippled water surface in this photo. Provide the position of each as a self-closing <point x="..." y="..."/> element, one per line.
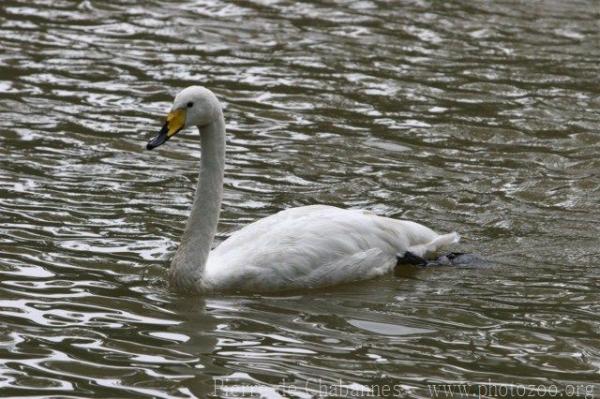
<point x="479" y="117"/>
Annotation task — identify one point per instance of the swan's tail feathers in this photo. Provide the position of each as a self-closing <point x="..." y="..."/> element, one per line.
<point x="435" y="244"/>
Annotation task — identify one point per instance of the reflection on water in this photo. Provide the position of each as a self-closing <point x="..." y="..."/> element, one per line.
<point x="477" y="117"/>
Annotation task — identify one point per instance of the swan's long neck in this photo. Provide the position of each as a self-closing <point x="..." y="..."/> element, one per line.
<point x="191" y="257"/>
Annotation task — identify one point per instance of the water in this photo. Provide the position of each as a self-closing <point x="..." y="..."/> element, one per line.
<point x="478" y="117"/>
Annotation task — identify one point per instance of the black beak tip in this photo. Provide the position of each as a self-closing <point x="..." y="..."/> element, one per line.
<point x="152" y="144"/>
<point x="158" y="140"/>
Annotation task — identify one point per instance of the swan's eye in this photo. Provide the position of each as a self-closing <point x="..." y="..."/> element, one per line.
<point x="190" y="104"/>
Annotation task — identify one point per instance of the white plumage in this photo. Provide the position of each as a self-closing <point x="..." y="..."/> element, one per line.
<point x="298" y="248"/>
<point x="314" y="246"/>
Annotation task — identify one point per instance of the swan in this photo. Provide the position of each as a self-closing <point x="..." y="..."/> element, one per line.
<point x="298" y="248"/>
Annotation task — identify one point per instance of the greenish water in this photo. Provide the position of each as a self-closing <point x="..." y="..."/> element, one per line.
<point x="479" y="117"/>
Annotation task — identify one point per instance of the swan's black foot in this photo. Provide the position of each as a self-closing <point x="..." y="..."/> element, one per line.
<point x="408" y="258"/>
<point x="450" y="259"/>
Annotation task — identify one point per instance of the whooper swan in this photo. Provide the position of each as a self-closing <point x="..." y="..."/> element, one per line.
<point x="298" y="248"/>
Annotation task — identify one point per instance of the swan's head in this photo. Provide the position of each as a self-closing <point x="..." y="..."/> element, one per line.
<point x="193" y="106"/>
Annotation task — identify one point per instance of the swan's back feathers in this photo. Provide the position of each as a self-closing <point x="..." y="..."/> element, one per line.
<point x="315" y="246"/>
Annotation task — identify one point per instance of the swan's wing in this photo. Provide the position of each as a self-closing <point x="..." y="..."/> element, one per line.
<point x="249" y="233"/>
<point x="361" y="265"/>
<point x="314" y="246"/>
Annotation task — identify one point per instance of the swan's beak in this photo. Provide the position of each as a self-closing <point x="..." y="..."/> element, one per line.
<point x="174" y="123"/>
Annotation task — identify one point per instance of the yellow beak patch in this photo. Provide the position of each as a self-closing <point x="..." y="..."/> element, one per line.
<point x="175" y="121"/>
